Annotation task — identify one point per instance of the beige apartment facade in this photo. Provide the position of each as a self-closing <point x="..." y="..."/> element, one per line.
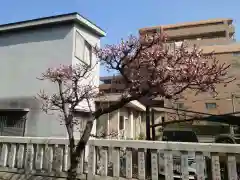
<point x="215" y="36"/>
<point x="203" y="33"/>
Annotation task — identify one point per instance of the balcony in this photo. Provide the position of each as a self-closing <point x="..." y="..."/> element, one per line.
<point x="112" y="86"/>
<point x="210" y="42"/>
<point x="191" y="31"/>
<point x="231" y="29"/>
<point x="105" y="86"/>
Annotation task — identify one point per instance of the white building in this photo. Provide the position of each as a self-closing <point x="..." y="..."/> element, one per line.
<point x="27" y="49"/>
<point x="127" y="122"/>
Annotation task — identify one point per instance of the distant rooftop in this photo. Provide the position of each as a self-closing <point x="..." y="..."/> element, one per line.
<point x="103" y="78"/>
<point x="58" y="19"/>
<point x="187" y="24"/>
<point x="114" y="97"/>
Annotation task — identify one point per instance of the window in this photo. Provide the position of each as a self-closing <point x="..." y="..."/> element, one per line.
<point x="83" y="50"/>
<point x="180" y="105"/>
<point x="79" y="46"/>
<point x="211" y="105"/>
<point x="87" y="53"/>
<point x="10" y="123"/>
<point x="236" y="54"/>
<point x="170" y="46"/>
<point x="121" y="123"/>
<point x="163" y="119"/>
<point x="107" y="81"/>
<point x="178" y="44"/>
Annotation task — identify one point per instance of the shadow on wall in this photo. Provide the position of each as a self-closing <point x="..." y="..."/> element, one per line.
<point x="27" y="35"/>
<point x="19" y="103"/>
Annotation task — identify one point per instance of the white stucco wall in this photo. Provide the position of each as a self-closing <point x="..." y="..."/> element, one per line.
<point x="94" y="41"/>
<point x="24" y="56"/>
<point x="110" y="123"/>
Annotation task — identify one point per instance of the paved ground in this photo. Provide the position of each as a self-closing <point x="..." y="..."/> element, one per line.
<point x="16" y="176"/>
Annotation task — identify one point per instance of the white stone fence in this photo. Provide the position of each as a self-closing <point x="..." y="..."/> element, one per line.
<point x="37" y="156"/>
<point x="162" y="160"/>
<point x="121" y="159"/>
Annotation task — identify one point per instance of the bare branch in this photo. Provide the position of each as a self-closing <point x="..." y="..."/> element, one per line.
<point x="149" y="69"/>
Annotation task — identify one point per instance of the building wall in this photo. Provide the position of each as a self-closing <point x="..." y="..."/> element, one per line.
<point x="25" y="55"/>
<point x="139" y="124"/>
<point x="204" y="34"/>
<point x="94" y="41"/>
<point x="109" y="123"/>
<point x="198" y="34"/>
<point x="220" y="30"/>
<point x="223" y="99"/>
<point x="210" y="29"/>
<point x="209" y="42"/>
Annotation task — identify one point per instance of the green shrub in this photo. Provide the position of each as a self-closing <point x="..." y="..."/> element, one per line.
<point x="141" y="136"/>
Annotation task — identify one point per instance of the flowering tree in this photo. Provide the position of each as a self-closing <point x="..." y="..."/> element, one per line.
<point x="149" y="70"/>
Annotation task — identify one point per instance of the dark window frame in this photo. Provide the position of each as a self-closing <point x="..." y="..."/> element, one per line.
<point x="180" y="105"/>
<point x="86" y="44"/>
<point x="236" y="54"/>
<point x="209" y="105"/>
<point x="121" y="123"/>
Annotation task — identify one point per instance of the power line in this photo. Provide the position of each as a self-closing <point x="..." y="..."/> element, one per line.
<point x="190" y="111"/>
<point x="222" y="118"/>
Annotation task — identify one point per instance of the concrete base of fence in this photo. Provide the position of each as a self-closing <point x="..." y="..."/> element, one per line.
<point x="19" y="176"/>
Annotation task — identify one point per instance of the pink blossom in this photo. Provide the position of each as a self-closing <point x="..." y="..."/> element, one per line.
<point x="146" y="64"/>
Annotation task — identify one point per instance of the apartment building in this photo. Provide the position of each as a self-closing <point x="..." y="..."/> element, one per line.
<point x="201" y="33"/>
<point x="216" y="36"/>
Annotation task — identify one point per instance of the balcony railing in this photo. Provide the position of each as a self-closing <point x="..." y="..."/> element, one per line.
<point x="189" y="31"/>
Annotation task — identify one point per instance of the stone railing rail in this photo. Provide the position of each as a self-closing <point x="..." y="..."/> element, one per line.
<point x="37" y="156"/>
<point x="118" y="159"/>
<point x="137" y="153"/>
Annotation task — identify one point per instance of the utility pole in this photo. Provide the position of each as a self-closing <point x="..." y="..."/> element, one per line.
<point x="148" y="138"/>
<point x="233" y="110"/>
<point x="153" y="122"/>
<point x="148" y="133"/>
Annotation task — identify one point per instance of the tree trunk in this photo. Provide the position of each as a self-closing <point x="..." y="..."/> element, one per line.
<point x="74" y="161"/>
<point x="72" y="171"/>
<point x="75" y="152"/>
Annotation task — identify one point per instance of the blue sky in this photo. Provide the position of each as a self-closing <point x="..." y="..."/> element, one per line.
<point x="120" y="18"/>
